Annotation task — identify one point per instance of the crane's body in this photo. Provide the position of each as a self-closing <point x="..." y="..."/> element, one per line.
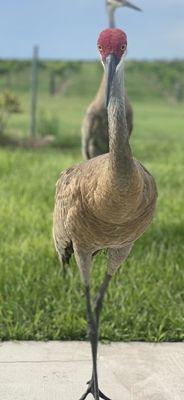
<point x="106" y="202"/>
<point x="95" y="213"/>
<point x="95" y="138"/>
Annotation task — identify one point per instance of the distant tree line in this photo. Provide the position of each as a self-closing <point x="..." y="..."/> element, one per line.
<point x="143" y="78"/>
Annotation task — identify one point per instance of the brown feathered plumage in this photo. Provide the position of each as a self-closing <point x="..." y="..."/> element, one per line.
<point x="93" y="213"/>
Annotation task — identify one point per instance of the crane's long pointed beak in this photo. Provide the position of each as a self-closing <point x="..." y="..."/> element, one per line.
<point x="130" y="5"/>
<point x="110" y="69"/>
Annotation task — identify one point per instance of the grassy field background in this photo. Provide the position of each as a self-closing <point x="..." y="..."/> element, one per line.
<point x="146" y="298"/>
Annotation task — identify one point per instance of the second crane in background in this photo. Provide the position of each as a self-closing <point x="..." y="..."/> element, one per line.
<point x="95" y="140"/>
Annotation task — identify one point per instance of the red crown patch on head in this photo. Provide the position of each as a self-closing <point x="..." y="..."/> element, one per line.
<point x="112" y="41"/>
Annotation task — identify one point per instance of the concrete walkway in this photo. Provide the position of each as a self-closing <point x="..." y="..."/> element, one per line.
<point x="59" y="371"/>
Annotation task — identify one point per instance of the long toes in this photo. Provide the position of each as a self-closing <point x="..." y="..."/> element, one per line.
<point x="103" y="396"/>
<point x="85" y="394"/>
<point x="91" y="390"/>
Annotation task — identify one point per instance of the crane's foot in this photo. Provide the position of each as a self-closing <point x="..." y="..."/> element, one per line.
<point x="90" y="390"/>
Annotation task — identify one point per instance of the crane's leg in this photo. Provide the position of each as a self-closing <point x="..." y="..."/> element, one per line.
<point x="98" y="303"/>
<point x="84" y="262"/>
<point x="93" y="324"/>
<point x="116" y="256"/>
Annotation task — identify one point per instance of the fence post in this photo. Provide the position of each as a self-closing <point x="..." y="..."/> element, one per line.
<point x="52" y="83"/>
<point x="34" y="89"/>
<point x="179" y="91"/>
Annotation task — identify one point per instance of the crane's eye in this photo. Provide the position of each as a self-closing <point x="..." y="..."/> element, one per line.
<point x="123" y="48"/>
<point x="100" y="48"/>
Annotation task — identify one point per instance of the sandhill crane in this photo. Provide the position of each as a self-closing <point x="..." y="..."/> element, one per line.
<point x="106" y="202"/>
<point x="113" y="4"/>
<point x="95" y="140"/>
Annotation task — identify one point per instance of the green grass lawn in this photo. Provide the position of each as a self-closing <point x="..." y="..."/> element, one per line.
<point x="146" y="298"/>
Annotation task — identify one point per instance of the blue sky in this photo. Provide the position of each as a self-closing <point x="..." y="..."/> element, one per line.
<point x="69" y="29"/>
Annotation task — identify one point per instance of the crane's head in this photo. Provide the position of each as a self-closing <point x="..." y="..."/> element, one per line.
<point x="113" y="4"/>
<point x="112" y="45"/>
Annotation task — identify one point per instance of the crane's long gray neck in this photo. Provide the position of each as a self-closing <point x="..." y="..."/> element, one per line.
<point x="111" y="11"/>
<point x="119" y="148"/>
